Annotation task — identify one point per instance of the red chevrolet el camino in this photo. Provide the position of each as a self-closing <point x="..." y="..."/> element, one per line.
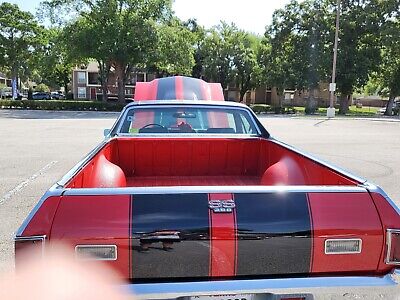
<point x="189" y="196"/>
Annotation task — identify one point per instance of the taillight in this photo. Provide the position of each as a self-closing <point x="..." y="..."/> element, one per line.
<point x="96" y="252"/>
<point x="393" y="247"/>
<point x="28" y="246"/>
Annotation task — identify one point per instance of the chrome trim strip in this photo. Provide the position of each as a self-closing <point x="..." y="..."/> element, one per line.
<point x="113" y="130"/>
<point x="185" y="102"/>
<point x="320" y="161"/>
<point x="343" y="252"/>
<point x="215" y="189"/>
<point x="190" y="135"/>
<point x="30" y="238"/>
<point x="389" y="233"/>
<point x="260" y="286"/>
<point x="53" y="191"/>
<point x="95" y="258"/>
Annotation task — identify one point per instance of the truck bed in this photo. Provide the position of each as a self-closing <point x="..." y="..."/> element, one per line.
<point x="143" y="162"/>
<point x="139" y="181"/>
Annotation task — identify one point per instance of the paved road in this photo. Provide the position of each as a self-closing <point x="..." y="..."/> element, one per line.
<point x="366" y="147"/>
<point x="37" y="148"/>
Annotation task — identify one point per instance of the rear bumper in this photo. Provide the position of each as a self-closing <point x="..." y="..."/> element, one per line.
<point x="354" y="287"/>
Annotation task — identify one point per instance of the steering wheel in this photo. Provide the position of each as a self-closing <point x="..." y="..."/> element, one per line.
<point x="153" y="125"/>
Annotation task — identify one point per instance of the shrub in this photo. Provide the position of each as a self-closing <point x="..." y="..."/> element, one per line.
<point x="261" y="108"/>
<point x="265" y="108"/>
<point x="42" y="88"/>
<point x="61" y="105"/>
<point x="290" y="110"/>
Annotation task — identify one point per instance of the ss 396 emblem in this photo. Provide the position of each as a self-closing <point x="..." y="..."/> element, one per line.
<point x="221" y="206"/>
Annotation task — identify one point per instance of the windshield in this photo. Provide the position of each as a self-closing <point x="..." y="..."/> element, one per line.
<point x="188" y="119"/>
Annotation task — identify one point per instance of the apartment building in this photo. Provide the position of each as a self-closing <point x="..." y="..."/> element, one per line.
<point x="86" y="84"/>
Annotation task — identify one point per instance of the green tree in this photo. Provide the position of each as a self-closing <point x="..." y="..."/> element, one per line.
<point x="42" y="88"/>
<point x="126" y="31"/>
<point x="55" y="64"/>
<point x="174" y="53"/>
<point x="217" y="51"/>
<point x="302" y="38"/>
<point x="77" y="34"/>
<point x="199" y="34"/>
<point x="246" y="69"/>
<point x="20" y="35"/>
<point x="359" y="46"/>
<point x="388" y="75"/>
<point x="298" y="58"/>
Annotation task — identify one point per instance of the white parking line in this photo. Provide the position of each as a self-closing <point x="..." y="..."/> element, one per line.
<point x="24" y="183"/>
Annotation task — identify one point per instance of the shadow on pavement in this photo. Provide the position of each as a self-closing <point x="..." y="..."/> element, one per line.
<point x="44" y="114"/>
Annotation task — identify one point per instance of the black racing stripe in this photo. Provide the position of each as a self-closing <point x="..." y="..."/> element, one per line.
<point x="182" y="222"/>
<point x="166" y="89"/>
<point x="192" y="89"/>
<point x="274" y="234"/>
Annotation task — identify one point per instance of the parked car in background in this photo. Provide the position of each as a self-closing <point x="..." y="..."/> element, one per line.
<point x="395" y="108"/>
<point x="6" y="93"/>
<point x="41" y="96"/>
<point x="57" y="95"/>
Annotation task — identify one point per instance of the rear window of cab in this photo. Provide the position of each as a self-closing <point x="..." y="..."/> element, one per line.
<point x="187" y="119"/>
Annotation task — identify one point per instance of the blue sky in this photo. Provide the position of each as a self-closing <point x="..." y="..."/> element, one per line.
<point x="250" y="15"/>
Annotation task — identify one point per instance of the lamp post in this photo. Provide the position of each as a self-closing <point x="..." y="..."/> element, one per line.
<point x="330" y="113"/>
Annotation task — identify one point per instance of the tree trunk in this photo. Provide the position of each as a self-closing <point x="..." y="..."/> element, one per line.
<point x="66" y="88"/>
<point x="311" y="103"/>
<point x="344" y="104"/>
<point x="104" y="73"/>
<point x="242" y="93"/>
<point x="389" y="106"/>
<point x="104" y="91"/>
<point x="275" y="102"/>
<point x="120" y="71"/>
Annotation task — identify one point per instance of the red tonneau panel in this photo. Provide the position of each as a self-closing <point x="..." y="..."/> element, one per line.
<point x="178" y="88"/>
<point x="390" y="220"/>
<point x="345" y="216"/>
<point x="95" y="220"/>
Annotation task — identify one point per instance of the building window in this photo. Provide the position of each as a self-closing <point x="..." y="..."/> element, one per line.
<point x="81" y="92"/>
<point x="93" y="78"/>
<point x="140" y="77"/>
<point x="131" y="79"/>
<point x="82" y="77"/>
<point x="135" y="77"/>
<point x="150" y="77"/>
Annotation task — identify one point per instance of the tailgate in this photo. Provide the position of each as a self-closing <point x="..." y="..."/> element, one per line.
<point x="203" y="234"/>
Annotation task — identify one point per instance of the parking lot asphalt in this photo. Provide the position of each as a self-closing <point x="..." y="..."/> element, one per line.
<point x="37" y="148"/>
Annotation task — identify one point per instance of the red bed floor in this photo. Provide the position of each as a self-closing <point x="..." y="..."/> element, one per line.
<point x="191" y="180"/>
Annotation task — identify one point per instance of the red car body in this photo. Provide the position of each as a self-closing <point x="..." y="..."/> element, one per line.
<point x="182" y="211"/>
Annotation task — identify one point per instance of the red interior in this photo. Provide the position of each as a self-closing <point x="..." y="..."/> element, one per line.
<point x="201" y="161"/>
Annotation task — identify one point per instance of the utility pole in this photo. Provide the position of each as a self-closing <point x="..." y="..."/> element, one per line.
<point x="332" y="87"/>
